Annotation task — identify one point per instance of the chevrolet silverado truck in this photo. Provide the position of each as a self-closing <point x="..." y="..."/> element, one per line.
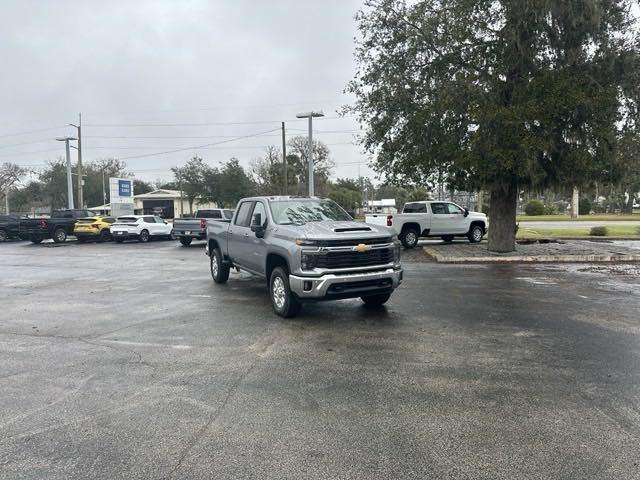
<point x="58" y="226"/>
<point x="195" y="228"/>
<point x="446" y="220"/>
<point x="307" y="249"/>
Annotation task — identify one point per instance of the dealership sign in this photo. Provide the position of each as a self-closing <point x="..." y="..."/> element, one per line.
<point x="121" y="196"/>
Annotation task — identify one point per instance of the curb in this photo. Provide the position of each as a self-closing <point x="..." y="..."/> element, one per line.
<point x="433" y="254"/>
<point x="593" y="238"/>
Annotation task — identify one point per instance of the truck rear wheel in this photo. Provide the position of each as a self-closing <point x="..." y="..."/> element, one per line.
<point x="59" y="235"/>
<point x="186" y="241"/>
<point x="283" y="301"/>
<point x="409" y="238"/>
<point x="219" y="269"/>
<point x="376" y="300"/>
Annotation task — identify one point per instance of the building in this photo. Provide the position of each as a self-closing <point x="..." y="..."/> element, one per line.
<point x="386" y="205"/>
<point x="166" y="203"/>
<point x="163" y="202"/>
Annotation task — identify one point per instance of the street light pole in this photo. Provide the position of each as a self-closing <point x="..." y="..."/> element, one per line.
<point x="69" y="178"/>
<point x="310" y="116"/>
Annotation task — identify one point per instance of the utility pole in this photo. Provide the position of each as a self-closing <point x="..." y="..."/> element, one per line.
<point x="6" y="201"/>
<point x="180" y="187"/>
<point x="80" y="181"/>
<point x="310" y="116"/>
<point x="284" y="160"/>
<point x="69" y="178"/>
<point x="104" y="193"/>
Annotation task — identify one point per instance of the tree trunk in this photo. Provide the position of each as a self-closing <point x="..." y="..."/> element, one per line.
<point x="502" y="218"/>
<point x="575" y="204"/>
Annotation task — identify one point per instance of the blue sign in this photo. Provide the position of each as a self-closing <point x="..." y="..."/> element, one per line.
<point x="124" y="188"/>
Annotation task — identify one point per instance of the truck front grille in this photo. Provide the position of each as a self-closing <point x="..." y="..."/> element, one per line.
<point x="338" y="260"/>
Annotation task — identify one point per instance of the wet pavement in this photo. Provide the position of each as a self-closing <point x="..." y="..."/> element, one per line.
<point x="126" y="361"/>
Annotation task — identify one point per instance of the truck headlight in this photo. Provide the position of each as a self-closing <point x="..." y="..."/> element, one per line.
<point x="308" y="261"/>
<point x="396" y="253"/>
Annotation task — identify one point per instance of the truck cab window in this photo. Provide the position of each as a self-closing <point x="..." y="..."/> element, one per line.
<point x="415" y="208"/>
<point x="243" y="216"/>
<point x="439" y="209"/>
<point x="454" y="209"/>
<point x="260" y="211"/>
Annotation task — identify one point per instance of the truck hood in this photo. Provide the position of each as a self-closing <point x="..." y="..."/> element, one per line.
<point x="330" y="230"/>
<point x="477" y="215"/>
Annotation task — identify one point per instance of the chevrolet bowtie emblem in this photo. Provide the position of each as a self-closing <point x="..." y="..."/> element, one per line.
<point x="361" y="248"/>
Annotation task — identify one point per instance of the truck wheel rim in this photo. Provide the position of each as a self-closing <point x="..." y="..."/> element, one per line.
<point x="3" y="235"/>
<point x="411" y="238"/>
<point x="477" y="234"/>
<point x="60" y="236"/>
<point x="214" y="266"/>
<point x="278" y="293"/>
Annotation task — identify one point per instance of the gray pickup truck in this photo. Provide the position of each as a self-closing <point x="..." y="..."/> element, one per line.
<point x="307" y="249"/>
<point x="195" y="228"/>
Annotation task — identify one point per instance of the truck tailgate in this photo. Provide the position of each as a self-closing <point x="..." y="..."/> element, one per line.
<point x="377" y="219"/>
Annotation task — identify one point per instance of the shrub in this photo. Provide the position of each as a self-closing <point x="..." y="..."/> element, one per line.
<point x="598" y="231"/>
<point x="550" y="209"/>
<point x="584" y="206"/>
<point x="534" y="207"/>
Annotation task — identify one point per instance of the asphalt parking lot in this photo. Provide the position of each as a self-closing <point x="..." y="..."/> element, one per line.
<point x="126" y="361"/>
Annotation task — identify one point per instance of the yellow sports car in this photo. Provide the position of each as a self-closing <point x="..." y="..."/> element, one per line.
<point x="93" y="228"/>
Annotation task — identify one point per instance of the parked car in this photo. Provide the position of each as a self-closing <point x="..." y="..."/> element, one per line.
<point x="446" y="220"/>
<point x="190" y="228"/>
<point x="9" y="227"/>
<point x="141" y="227"/>
<point x="93" y="228"/>
<point x="307" y="249"/>
<point x="58" y="226"/>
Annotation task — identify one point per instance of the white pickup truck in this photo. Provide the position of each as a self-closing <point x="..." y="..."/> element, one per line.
<point x="433" y="219"/>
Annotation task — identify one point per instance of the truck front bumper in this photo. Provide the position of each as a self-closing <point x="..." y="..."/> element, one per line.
<point x="345" y="285"/>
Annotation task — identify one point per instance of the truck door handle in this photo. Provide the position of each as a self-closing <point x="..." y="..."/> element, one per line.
<point x="246" y="234"/>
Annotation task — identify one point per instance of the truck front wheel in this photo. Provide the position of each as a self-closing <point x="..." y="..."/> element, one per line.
<point x="219" y="270"/>
<point x="476" y="232"/>
<point x="409" y="238"/>
<point x="186" y="241"/>
<point x="59" y="236"/>
<point x="283" y="301"/>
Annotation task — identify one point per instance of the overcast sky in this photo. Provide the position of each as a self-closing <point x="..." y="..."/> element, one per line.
<point x="202" y="62"/>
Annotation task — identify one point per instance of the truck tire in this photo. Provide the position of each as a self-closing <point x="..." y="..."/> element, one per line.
<point x="4" y="236"/>
<point x="144" y="236"/>
<point x="59" y="235"/>
<point x="376" y="300"/>
<point x="284" y="303"/>
<point x="476" y="232"/>
<point x="219" y="269"/>
<point x="409" y="238"/>
<point x="447" y="238"/>
<point x="186" y="241"/>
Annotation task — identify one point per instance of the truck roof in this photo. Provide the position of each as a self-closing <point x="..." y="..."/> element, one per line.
<point x="278" y="198"/>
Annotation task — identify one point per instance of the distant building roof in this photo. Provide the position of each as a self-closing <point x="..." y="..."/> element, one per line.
<point x="385" y="202"/>
<point x="160" y="193"/>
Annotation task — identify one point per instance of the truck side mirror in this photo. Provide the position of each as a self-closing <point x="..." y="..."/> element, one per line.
<point x="466" y="212"/>
<point x="256" y="225"/>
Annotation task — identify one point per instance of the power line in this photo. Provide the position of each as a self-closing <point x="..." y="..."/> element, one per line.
<point x="29" y="153"/>
<point x="199" y="146"/>
<point x="31" y="131"/>
<point x="201" y="124"/>
<point x="26" y="143"/>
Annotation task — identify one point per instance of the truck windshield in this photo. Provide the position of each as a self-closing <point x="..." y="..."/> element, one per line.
<point x="299" y="211"/>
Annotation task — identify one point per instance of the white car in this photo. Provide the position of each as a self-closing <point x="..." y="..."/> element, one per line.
<point x="433" y="219"/>
<point x="142" y="227"/>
